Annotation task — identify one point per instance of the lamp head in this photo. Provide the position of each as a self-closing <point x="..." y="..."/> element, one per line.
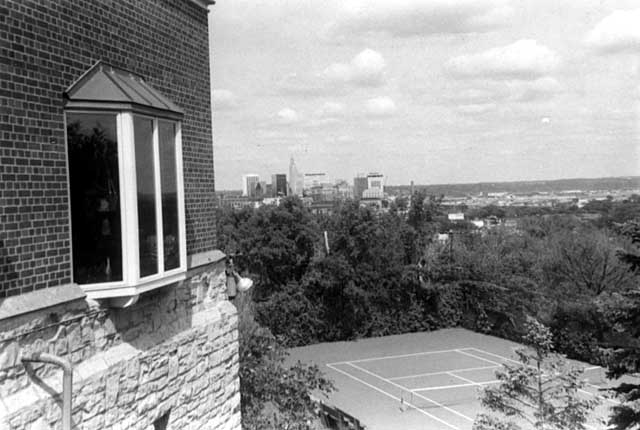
<point x="244" y="284"/>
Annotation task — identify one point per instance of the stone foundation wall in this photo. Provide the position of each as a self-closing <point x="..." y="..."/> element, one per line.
<point x="171" y="357"/>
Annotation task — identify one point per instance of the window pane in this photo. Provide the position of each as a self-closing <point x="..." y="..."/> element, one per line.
<point x="169" y="184"/>
<point x="145" y="180"/>
<point x="95" y="197"/>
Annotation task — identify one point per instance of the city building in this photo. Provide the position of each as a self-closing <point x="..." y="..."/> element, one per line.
<point x="249" y="183"/>
<point x="260" y="190"/>
<point x="372" y="198"/>
<point x="312" y="180"/>
<point x="343" y="190"/>
<point x="456" y="216"/>
<point x="296" y="179"/>
<point x="113" y="305"/>
<point x="375" y="181"/>
<point x="279" y="184"/>
<point x="360" y="183"/>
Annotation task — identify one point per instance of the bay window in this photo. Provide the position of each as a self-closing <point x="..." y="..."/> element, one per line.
<point x="125" y="183"/>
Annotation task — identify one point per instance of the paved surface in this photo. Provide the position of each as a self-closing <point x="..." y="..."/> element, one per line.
<point x="419" y="380"/>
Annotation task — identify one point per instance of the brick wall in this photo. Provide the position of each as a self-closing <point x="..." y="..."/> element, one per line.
<point x="45" y="45"/>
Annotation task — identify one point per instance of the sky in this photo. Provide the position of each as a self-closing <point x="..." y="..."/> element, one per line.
<point x="434" y="91"/>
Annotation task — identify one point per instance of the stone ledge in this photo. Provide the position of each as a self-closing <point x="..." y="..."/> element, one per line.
<point x="204" y="258"/>
<point x="33" y="301"/>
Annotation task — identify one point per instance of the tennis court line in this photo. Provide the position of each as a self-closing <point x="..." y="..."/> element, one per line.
<point x="473" y="382"/>
<point x="615" y="402"/>
<point x="442" y="372"/>
<point x="447" y="387"/>
<point x="495" y="363"/>
<point x="393" y="397"/>
<point x="384" y="357"/>
<point x="440" y="405"/>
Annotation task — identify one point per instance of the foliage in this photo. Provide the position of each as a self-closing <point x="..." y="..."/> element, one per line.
<point x="586" y="263"/>
<point x="578" y="330"/>
<point x="386" y="274"/>
<point x="541" y="391"/>
<point x="291" y="316"/>
<point x="272" y="394"/>
<point x="277" y="242"/>
<point x="623" y="356"/>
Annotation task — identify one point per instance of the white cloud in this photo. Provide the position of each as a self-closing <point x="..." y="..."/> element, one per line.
<point x="331" y="110"/>
<point x="223" y="99"/>
<point x="475" y="109"/>
<point x="404" y="18"/>
<point x="365" y="69"/>
<point x="524" y="59"/>
<point x="618" y="32"/>
<point x="541" y="89"/>
<point x="380" y="107"/>
<point x="287" y="116"/>
<point x="293" y="84"/>
<point x="545" y="120"/>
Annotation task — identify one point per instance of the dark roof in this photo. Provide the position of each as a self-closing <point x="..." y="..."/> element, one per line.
<point x="104" y="83"/>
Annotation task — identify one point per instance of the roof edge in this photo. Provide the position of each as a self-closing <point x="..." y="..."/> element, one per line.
<point x="204" y="3"/>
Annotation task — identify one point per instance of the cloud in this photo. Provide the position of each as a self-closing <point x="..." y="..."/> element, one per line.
<point x="524" y="59"/>
<point x="331" y="110"/>
<point x="279" y="135"/>
<point x="380" y="107"/>
<point x="541" y="89"/>
<point x="287" y="116"/>
<point x="617" y="32"/>
<point x="476" y="109"/>
<point x="404" y="18"/>
<point x="365" y="69"/>
<point x="293" y="84"/>
<point x="223" y="99"/>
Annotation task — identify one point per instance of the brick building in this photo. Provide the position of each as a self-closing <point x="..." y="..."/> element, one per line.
<point x="108" y="256"/>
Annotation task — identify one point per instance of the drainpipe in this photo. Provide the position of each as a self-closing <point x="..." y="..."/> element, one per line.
<point x="67" y="381"/>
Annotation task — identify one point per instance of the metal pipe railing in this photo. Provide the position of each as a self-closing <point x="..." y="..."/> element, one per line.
<point x="67" y="381"/>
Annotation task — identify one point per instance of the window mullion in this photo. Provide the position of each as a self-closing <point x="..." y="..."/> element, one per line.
<point x="181" y="210"/>
<point x="158" y="188"/>
<point x="130" y="251"/>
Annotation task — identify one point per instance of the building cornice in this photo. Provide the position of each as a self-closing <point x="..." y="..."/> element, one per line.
<point x="204" y="3"/>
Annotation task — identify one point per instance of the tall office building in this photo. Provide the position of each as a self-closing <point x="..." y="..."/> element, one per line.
<point x="279" y="184"/>
<point x="296" y="181"/>
<point x="360" y="183"/>
<point x="249" y="183"/>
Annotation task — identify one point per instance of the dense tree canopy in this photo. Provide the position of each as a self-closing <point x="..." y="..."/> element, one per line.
<point x="389" y="272"/>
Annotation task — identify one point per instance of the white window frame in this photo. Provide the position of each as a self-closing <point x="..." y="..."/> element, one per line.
<point x="132" y="285"/>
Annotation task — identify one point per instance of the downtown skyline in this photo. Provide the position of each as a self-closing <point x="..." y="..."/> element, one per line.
<point x="431" y="91"/>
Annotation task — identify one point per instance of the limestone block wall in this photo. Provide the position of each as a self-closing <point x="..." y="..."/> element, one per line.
<point x="170" y="360"/>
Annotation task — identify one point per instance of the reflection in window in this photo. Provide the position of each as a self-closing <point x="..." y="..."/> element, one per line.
<point x="145" y="180"/>
<point x="169" y="186"/>
<point x="95" y="198"/>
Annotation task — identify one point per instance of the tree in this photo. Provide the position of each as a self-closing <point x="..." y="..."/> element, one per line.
<point x="585" y="261"/>
<point x="274" y="395"/>
<point x="540" y="392"/>
<point x="277" y="242"/>
<point x="622" y="311"/>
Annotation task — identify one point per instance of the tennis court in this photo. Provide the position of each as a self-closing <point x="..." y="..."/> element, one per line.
<point x="422" y="380"/>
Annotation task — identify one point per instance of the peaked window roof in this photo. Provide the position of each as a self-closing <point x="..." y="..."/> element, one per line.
<point x="106" y="86"/>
